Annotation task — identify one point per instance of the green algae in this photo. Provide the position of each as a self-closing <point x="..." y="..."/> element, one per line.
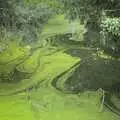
<point x="15" y="108"/>
<point x="56" y="26"/>
<point x="47" y="104"/>
<point x="52" y="66"/>
<point x="12" y="56"/>
<point x="13" y="53"/>
<point x="30" y="64"/>
<point x="59" y="106"/>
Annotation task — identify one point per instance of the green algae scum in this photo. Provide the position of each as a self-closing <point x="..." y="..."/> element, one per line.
<point x="41" y="94"/>
<point x="46" y="70"/>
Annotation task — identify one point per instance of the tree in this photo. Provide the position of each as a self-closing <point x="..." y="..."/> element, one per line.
<point x="86" y="9"/>
<point x="25" y="18"/>
<point x="6" y="12"/>
<point x="92" y="13"/>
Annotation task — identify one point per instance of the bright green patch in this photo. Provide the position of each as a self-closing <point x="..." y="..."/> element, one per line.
<point x="50" y="67"/>
<point x="14" y="52"/>
<point x="53" y="106"/>
<point x="15" y="108"/>
<point x="11" y="57"/>
<point x="58" y="25"/>
<point x="31" y="64"/>
<point x="46" y="104"/>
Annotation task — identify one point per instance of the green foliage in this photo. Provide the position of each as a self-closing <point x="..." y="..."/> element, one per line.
<point x="6" y="12"/>
<point x="50" y="67"/>
<point x="90" y="12"/>
<point x="111" y="33"/>
<point x="82" y="9"/>
<point x="88" y="9"/>
<point x="56" y="25"/>
<point x="25" y="19"/>
<point x="31" y="19"/>
<point x="59" y="26"/>
<point x="24" y="13"/>
<point x="111" y="26"/>
<point x="57" y="6"/>
<point x="12" y="53"/>
<point x="30" y="64"/>
<point x="9" y="58"/>
<point x="78" y="31"/>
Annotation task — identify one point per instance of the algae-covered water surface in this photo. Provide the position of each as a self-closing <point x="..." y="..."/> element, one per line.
<point x="53" y="63"/>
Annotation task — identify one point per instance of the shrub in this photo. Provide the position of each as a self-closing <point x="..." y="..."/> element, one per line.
<point x="111" y="33"/>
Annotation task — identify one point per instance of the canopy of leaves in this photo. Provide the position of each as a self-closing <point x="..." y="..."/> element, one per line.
<point x="89" y="9"/>
<point x="26" y="19"/>
<point x="54" y="4"/>
<point x="111" y="25"/>
<point x="110" y="33"/>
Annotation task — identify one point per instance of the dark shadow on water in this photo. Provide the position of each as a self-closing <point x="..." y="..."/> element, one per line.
<point x="82" y="53"/>
<point x="93" y="74"/>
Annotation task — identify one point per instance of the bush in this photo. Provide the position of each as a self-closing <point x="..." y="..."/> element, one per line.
<point x="26" y="19"/>
<point x="111" y="33"/>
